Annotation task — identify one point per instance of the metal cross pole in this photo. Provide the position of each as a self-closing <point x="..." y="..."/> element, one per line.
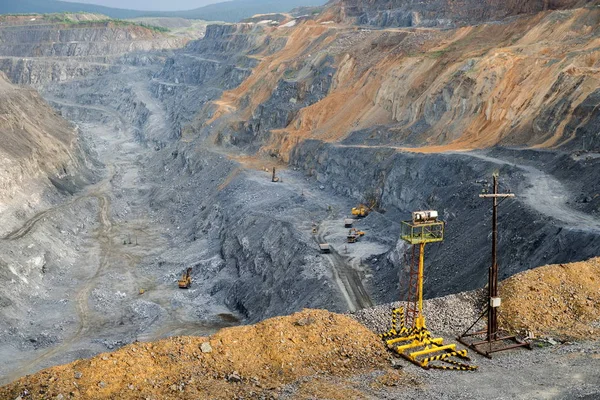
<point x="494" y="301"/>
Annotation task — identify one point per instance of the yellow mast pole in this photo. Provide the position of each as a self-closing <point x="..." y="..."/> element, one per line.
<point x="420" y="321"/>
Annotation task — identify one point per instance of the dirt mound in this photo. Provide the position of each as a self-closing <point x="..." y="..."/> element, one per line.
<point x="247" y="361"/>
<point x="561" y="300"/>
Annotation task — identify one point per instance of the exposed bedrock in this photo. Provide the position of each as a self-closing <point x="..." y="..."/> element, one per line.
<point x="101" y="38"/>
<point x="262" y="262"/>
<point x="302" y="88"/>
<point x="444" y="13"/>
<point x="544" y="224"/>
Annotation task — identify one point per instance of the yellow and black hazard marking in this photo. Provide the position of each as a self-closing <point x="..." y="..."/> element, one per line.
<point x="416" y="343"/>
<point x="455" y="365"/>
<point x="398" y="324"/>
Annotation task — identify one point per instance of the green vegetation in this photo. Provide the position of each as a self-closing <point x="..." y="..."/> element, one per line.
<point x="289" y="74"/>
<point x="437" y="54"/>
<point x="153" y="27"/>
<point x="65" y="19"/>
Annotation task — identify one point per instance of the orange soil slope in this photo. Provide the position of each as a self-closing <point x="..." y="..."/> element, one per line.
<point x="471" y="87"/>
<point x="561" y="301"/>
<point x="243" y="361"/>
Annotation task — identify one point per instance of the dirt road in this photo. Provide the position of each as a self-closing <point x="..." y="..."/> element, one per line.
<point x="547" y="195"/>
<point x="543" y="193"/>
<point x="347" y="277"/>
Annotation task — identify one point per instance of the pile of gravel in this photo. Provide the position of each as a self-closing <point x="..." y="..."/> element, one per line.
<point x="449" y="315"/>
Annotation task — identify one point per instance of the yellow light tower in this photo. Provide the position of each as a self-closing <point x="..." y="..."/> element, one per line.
<point x="416" y="341"/>
<point x="424" y="228"/>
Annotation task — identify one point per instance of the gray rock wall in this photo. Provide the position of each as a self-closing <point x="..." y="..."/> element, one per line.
<point x="264" y="265"/>
<point x="451" y="183"/>
<point x="55" y="40"/>
<point x="444" y="13"/>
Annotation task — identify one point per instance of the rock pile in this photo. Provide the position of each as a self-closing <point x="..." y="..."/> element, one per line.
<point x="255" y="361"/>
<point x="560" y="301"/>
<point x="449" y="315"/>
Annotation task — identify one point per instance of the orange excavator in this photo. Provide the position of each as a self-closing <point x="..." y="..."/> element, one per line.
<point x="362" y="210"/>
<point x="354" y="235"/>
<point x="186" y="280"/>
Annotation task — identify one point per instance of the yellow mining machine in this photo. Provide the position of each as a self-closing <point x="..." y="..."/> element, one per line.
<point x="409" y="336"/>
<point x="354" y="235"/>
<point x="274" y="178"/>
<point x="363" y="210"/>
<point x="186" y="280"/>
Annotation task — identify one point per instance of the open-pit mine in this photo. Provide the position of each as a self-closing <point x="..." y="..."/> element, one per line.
<point x="220" y="210"/>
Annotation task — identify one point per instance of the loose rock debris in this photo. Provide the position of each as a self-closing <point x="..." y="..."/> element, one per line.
<point x="255" y="361"/>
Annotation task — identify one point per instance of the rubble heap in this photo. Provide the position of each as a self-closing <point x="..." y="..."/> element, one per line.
<point x="248" y="361"/>
<point x="562" y="301"/>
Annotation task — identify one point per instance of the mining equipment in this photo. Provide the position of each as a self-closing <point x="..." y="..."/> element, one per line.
<point x="354" y="235"/>
<point x="325" y="248"/>
<point x="186" y="280"/>
<point x="348" y="222"/>
<point x="274" y="178"/>
<point x="409" y="336"/>
<point x="361" y="211"/>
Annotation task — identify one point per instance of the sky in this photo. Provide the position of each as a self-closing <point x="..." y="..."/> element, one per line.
<point x="150" y="5"/>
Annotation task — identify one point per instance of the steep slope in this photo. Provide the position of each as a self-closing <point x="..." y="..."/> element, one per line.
<point x="36" y="142"/>
<point x="348" y="106"/>
<point x="443" y="13"/>
<point x="250" y="361"/>
<point x="559" y="301"/>
<point x="43" y="163"/>
<point x="525" y="82"/>
<point x="37" y="49"/>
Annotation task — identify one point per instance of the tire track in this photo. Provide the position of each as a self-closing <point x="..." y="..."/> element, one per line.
<point x="82" y="296"/>
<point x="547" y="195"/>
<point x="347" y="277"/>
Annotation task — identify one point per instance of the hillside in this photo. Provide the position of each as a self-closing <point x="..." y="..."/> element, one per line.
<point x="559" y="301"/>
<point x="319" y="351"/>
<point x="444" y="13"/>
<point x="36" y="143"/>
<point x="317" y="354"/>
<point x="229" y="11"/>
<point x="466" y="88"/>
<point x="180" y="139"/>
<point x="78" y="35"/>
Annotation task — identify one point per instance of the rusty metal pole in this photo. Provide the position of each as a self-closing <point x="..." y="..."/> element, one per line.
<point x="493" y="300"/>
<point x="492" y="330"/>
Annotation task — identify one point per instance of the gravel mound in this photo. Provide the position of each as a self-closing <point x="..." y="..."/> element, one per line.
<point x="448" y="315"/>
<point x="560" y="301"/>
<point x="253" y="361"/>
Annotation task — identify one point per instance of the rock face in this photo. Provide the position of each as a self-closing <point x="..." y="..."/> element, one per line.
<point x="529" y="81"/>
<point x="36" y="142"/>
<point x="443" y="13"/>
<point x="291" y="94"/>
<point x="187" y="134"/>
<point x="83" y="39"/>
<point x="42" y="161"/>
<point x="259" y="259"/>
<point x="449" y="183"/>
<point x="55" y="48"/>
